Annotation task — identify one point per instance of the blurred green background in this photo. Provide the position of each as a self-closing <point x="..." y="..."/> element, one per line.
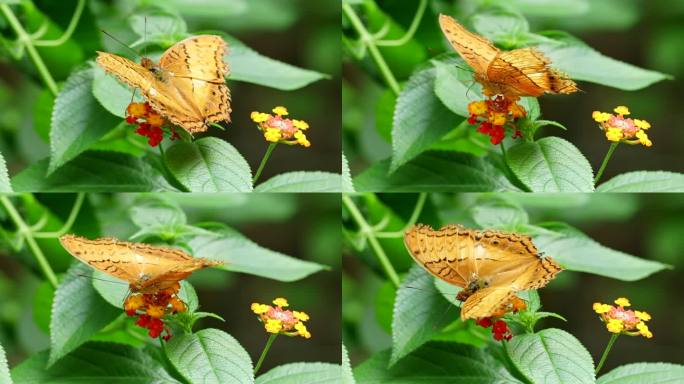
<point x="648" y="226"/>
<point x="302" y="226"/>
<point x="299" y="32"/>
<point x="645" y="33"/>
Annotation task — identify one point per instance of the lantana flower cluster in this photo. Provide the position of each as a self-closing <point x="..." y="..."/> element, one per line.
<point x="279" y="129"/>
<point x="619" y="128"/>
<point x="278" y="320"/>
<point x="623" y="321"/>
<point x="151" y="309"/>
<point x="150" y="123"/>
<point x="494" y="115"/>
<point x="500" y="329"/>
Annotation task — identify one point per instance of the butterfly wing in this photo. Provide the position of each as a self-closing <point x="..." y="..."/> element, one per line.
<point x="145" y="267"/>
<point x="195" y="66"/>
<point x="526" y="72"/>
<point x="164" y="98"/>
<point x="477" y="51"/>
<point x="439" y="252"/>
<point x="485" y="302"/>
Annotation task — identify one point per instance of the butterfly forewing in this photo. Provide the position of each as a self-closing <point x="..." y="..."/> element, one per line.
<point x="490" y="265"/>
<point x="477" y="51"/>
<point x="143" y="266"/>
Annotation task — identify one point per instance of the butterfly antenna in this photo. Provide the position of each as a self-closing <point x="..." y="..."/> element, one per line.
<point x="96" y="278"/>
<point x="120" y="42"/>
<point x="145" y="37"/>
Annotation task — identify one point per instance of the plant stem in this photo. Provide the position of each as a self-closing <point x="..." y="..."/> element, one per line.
<point x="369" y="41"/>
<point x="367" y="230"/>
<point x="68" y="32"/>
<point x="417" y="209"/>
<point x="264" y="160"/>
<point x="68" y="223"/>
<point x="25" y="231"/>
<point x="270" y="341"/>
<point x="25" y="39"/>
<point x="410" y="32"/>
<point x="613" y="337"/>
<point x="605" y="162"/>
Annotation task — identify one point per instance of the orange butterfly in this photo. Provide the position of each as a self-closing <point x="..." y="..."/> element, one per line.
<point x="188" y="85"/>
<point x="520" y="72"/>
<point x="490" y="266"/>
<point x="147" y="268"/>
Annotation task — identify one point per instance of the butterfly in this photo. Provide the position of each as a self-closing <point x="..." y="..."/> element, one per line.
<point x="146" y="268"/>
<point x="188" y="84"/>
<point x="520" y="72"/>
<point x="490" y="266"/>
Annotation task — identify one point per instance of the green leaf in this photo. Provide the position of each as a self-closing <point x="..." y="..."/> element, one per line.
<point x="347" y="374"/>
<point x="155" y="213"/>
<point x="78" y="312"/>
<point x="436" y="362"/>
<point x="551" y="164"/>
<point x="582" y="254"/>
<point x="347" y="184"/>
<point x="5" y="185"/>
<point x="295" y="373"/>
<point x="302" y="182"/>
<point x="454" y="85"/>
<point x="435" y="172"/>
<point x="581" y="62"/>
<point x="644" y="181"/>
<point x="209" y="165"/>
<point x="78" y="120"/>
<point x="418" y="313"/>
<point x="420" y="119"/>
<point x="498" y="213"/>
<point x="501" y="26"/>
<point x="210" y="356"/>
<point x="4" y="368"/>
<point x="554" y="8"/>
<point x="249" y="66"/>
<point x="639" y="373"/>
<point x="242" y="255"/>
<point x="92" y="172"/>
<point x="157" y="26"/>
<point x="551" y="356"/>
<point x="94" y="362"/>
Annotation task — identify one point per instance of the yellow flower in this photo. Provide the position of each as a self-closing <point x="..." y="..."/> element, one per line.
<point x="259" y="117"/>
<point x="615" y="325"/>
<point x="155" y="311"/>
<point x="178" y="305"/>
<point x="301" y="124"/>
<point x="643" y="139"/>
<point x="259" y="308"/>
<point x="497" y="118"/>
<point x="614" y="134"/>
<point x="643" y="330"/>
<point x="273" y="135"/>
<point x="622" y="301"/>
<point x="280" y="111"/>
<point x="281" y="302"/>
<point x="600" y="117"/>
<point x="477" y="108"/>
<point x="621" y="110"/>
<point x="137" y="109"/>
<point x="516" y="110"/>
<point x="643" y="124"/>
<point x="302" y="316"/>
<point x="643" y="316"/>
<point x="301" y="139"/>
<point x="601" y="308"/>
<point x="273" y="326"/>
<point x="133" y="303"/>
<point x="302" y="331"/>
<point x="155" y="120"/>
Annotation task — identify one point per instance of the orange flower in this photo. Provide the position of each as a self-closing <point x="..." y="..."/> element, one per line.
<point x="494" y="115"/>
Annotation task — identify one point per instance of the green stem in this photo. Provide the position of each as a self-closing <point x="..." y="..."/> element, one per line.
<point x="25" y="39"/>
<point x="264" y="160"/>
<point x="367" y="230"/>
<point x="613" y="337"/>
<point x="270" y="341"/>
<point x="68" y="32"/>
<point x="605" y="161"/>
<point x="417" y="209"/>
<point x="411" y="31"/>
<point x="25" y="231"/>
<point x="369" y="41"/>
<point x="68" y="223"/>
